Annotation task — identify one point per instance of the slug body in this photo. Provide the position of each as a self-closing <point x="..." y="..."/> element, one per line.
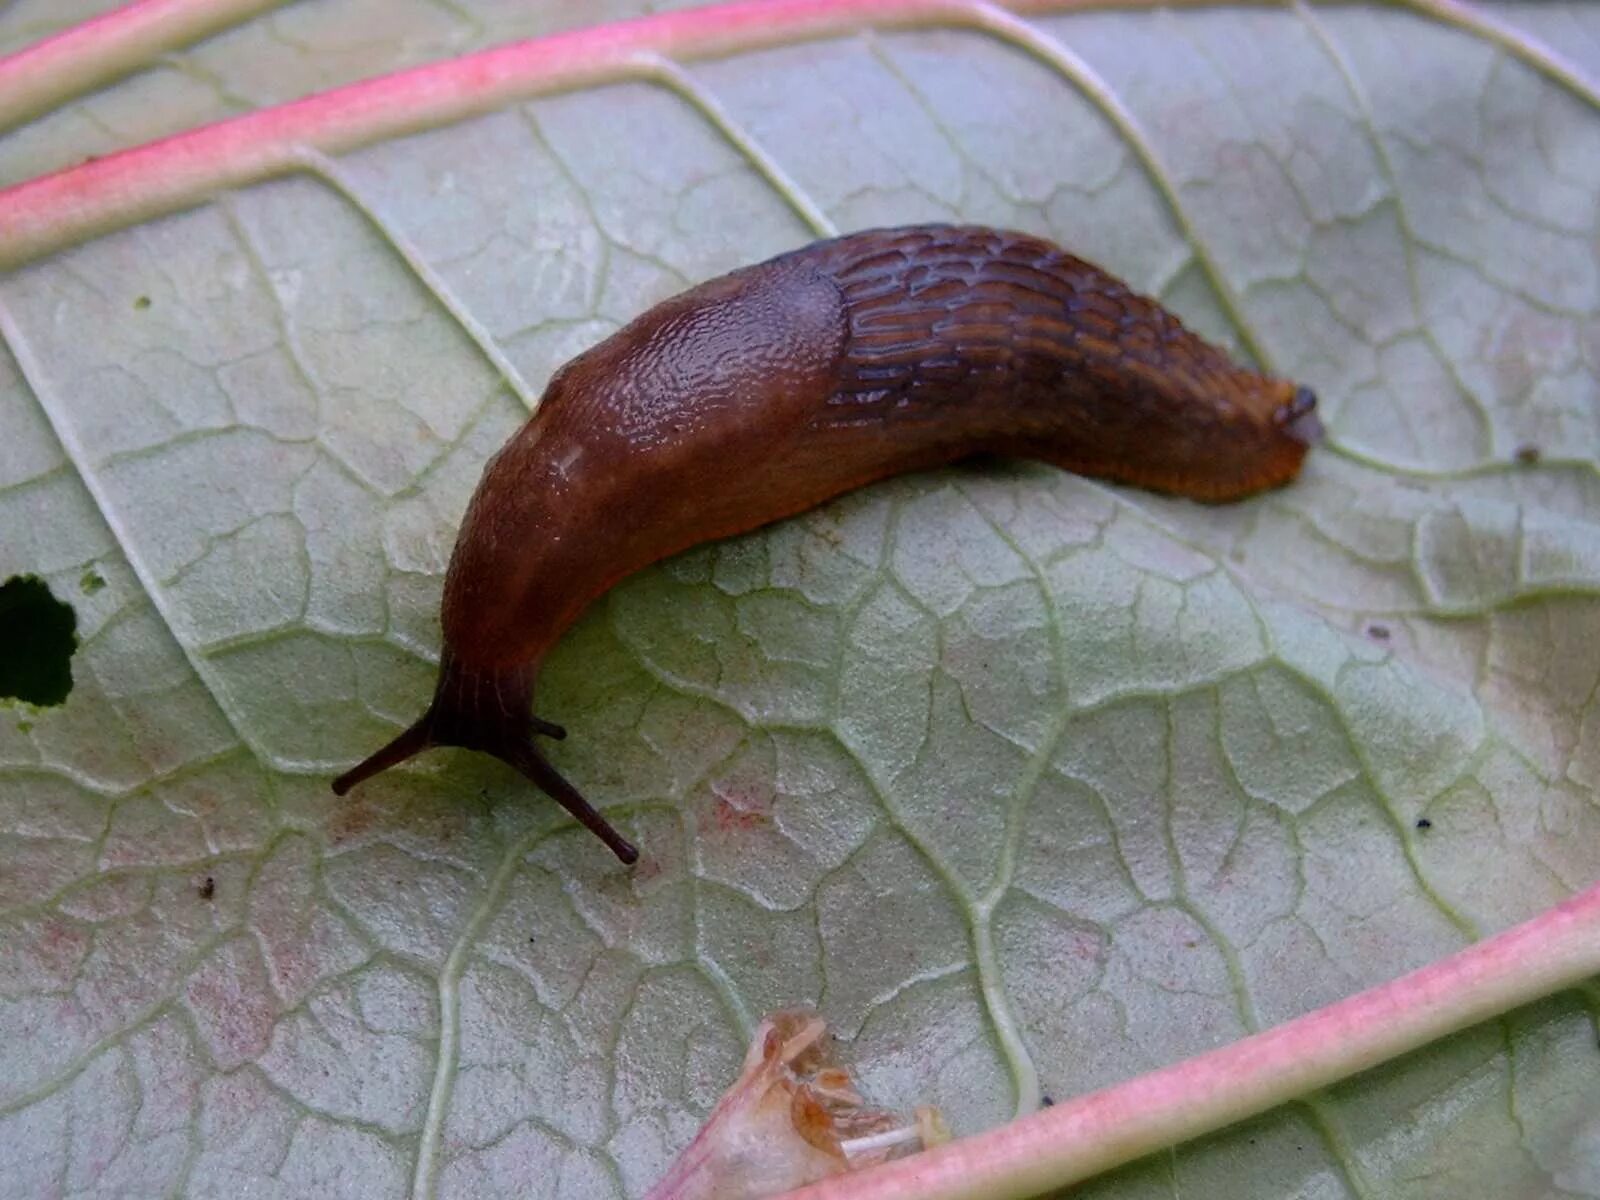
<point x="766" y="391"/>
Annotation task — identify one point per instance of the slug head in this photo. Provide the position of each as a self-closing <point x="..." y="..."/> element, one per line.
<point x="488" y="711"/>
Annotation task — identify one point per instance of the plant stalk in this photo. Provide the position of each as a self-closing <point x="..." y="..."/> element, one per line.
<point x="1082" y="1137"/>
<point x="62" y="209"/>
<point x="83" y="57"/>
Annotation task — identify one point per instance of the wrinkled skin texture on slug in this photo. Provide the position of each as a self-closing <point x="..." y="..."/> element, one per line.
<point x="764" y="392"/>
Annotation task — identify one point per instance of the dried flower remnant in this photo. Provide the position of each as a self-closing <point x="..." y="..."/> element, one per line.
<point x="791" y="1118"/>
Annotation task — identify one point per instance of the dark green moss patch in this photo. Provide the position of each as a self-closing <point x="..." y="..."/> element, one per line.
<point x="38" y="635"/>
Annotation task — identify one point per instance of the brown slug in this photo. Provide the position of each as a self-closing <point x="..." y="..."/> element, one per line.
<point x="764" y="392"/>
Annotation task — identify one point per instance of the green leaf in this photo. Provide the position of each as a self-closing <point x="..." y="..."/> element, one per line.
<point x="1028" y="782"/>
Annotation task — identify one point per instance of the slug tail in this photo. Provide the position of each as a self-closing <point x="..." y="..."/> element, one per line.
<point x="487" y="710"/>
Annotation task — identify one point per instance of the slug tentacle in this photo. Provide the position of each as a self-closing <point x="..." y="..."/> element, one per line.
<point x="537" y="769"/>
<point x="488" y="711"/>
<point x="764" y="392"/>
<point x="414" y="740"/>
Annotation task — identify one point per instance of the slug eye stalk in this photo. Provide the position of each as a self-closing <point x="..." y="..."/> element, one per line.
<point x="489" y="714"/>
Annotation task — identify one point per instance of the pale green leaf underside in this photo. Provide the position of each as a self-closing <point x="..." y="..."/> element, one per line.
<point x="1031" y="784"/>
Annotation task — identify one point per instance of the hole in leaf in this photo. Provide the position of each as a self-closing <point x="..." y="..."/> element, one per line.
<point x="38" y="635"/>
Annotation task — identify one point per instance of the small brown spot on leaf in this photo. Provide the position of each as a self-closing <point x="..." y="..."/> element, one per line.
<point x="727" y="817"/>
<point x="351" y="820"/>
<point x="647" y="869"/>
<point x="208" y="888"/>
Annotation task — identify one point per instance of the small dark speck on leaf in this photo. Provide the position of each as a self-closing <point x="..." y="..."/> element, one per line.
<point x="208" y="889"/>
<point x="1424" y="823"/>
<point x="1528" y="454"/>
<point x="141" y="303"/>
<point x="1378" y="633"/>
<point x="532" y="939"/>
<point x="1047" y="1101"/>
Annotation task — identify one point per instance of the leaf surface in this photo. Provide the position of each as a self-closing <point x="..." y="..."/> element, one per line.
<point x="1030" y="783"/>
